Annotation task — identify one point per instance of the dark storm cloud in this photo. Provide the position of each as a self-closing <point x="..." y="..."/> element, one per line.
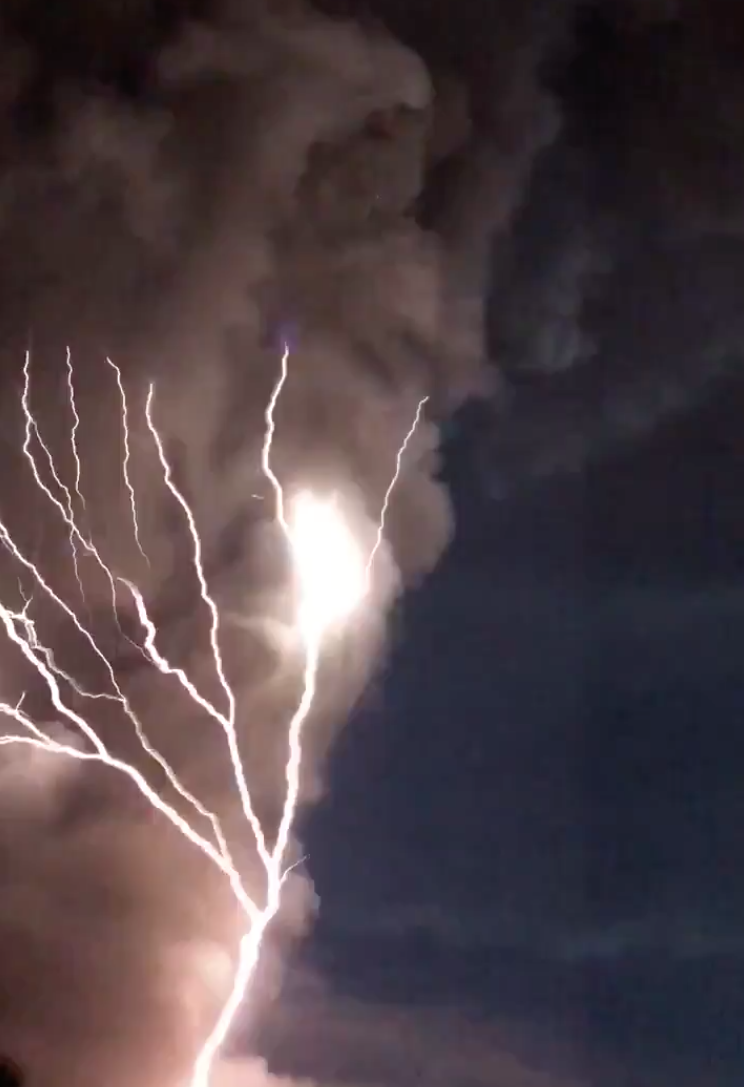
<point x="597" y="188"/>
<point x="346" y="1041"/>
<point x="178" y="195"/>
<point x="616" y="294"/>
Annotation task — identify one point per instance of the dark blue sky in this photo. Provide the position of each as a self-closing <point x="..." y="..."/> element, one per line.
<point x="552" y="765"/>
<point x="579" y="641"/>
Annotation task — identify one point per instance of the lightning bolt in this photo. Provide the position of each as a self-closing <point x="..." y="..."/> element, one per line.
<point x="327" y="592"/>
<point x="127" y="457"/>
<point x="75" y="426"/>
<point x="32" y="431"/>
<point x="391" y="487"/>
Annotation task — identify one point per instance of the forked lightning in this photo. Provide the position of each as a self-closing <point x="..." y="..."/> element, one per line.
<point x="331" y="580"/>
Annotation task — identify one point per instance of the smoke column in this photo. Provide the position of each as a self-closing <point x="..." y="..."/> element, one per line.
<point x="177" y="210"/>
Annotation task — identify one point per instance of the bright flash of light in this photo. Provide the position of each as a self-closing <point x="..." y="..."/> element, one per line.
<point x="331" y="577"/>
<point x="328" y="565"/>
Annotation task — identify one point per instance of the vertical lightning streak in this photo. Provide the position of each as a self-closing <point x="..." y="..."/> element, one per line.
<point x="270" y="420"/>
<point x="66" y="511"/>
<point x="119" y="697"/>
<point x="127" y="457"/>
<point x="312" y="643"/>
<point x="74" y="428"/>
<point x="226" y="720"/>
<point x="250" y="946"/>
<point x="391" y="487"/>
<point x="294" y="758"/>
<point x="312" y="633"/>
<point x="32" y="431"/>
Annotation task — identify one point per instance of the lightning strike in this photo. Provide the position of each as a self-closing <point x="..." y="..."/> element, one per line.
<point x="32" y="431"/>
<point x="270" y="420"/>
<point x="331" y="580"/>
<point x="127" y="457"/>
<point x="66" y="510"/>
<point x="74" y="427"/>
<point x="391" y="487"/>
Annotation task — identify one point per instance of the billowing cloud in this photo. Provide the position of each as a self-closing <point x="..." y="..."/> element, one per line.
<point x="182" y="196"/>
<point x="616" y="292"/>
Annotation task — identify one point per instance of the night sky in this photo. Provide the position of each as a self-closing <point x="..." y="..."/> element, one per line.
<point x="539" y="802"/>
<point x="574" y="841"/>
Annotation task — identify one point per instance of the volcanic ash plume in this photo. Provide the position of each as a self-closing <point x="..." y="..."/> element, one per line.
<point x="185" y="212"/>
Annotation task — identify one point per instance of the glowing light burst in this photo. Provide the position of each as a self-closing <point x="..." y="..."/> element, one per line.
<point x="331" y="578"/>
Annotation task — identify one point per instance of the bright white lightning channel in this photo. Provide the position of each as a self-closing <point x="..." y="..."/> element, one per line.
<point x="332" y="579"/>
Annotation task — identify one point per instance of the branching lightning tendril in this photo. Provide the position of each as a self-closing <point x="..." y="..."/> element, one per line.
<point x="74" y="427"/>
<point x="331" y="581"/>
<point x="391" y="487"/>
